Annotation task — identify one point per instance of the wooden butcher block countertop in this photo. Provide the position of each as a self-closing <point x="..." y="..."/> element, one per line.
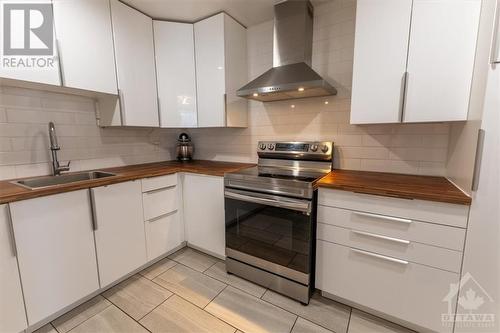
<point x="10" y="192"/>
<point x="395" y="185"/>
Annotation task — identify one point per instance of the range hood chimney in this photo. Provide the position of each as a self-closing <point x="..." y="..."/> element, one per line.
<point x="291" y="76"/>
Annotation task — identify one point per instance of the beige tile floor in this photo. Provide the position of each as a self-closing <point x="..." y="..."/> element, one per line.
<point x="191" y="292"/>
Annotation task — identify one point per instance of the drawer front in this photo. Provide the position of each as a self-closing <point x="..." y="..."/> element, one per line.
<point x="159" y="202"/>
<point x="163" y="234"/>
<point x="404" y="249"/>
<point x="413" y="293"/>
<point x="155" y="183"/>
<point x="428" y="211"/>
<point x="422" y="232"/>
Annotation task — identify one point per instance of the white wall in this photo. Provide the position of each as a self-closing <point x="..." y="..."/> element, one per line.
<point x="24" y="118"/>
<point x="416" y="149"/>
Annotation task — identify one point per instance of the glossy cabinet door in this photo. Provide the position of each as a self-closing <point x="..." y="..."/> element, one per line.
<point x="56" y="251"/>
<point x="119" y="235"/>
<point x="85" y="39"/>
<point x="175" y="71"/>
<point x="380" y="52"/>
<point x="12" y="314"/>
<point x="441" y="59"/>
<point x="203" y="198"/>
<point x="47" y="74"/>
<point x="210" y="71"/>
<point x="135" y="66"/>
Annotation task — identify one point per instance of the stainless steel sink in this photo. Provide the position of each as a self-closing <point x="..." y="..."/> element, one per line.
<point x="40" y="182"/>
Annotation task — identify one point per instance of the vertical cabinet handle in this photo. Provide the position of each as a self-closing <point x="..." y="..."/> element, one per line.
<point x="11" y="232"/>
<point x="59" y="55"/>
<point x="404" y="88"/>
<point x="495" y="44"/>
<point x="93" y="209"/>
<point x="479" y="156"/>
<point x="121" y="104"/>
<point x="225" y="110"/>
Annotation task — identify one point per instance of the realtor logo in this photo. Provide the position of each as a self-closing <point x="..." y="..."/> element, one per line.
<point x="471" y="297"/>
<point x="27" y="36"/>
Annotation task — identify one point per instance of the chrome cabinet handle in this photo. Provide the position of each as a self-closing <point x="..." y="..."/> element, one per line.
<point x="121" y="104"/>
<point x="162" y="216"/>
<point x="383" y="217"/>
<point x="495" y="43"/>
<point x="59" y="55"/>
<point x="379" y="256"/>
<point x="159" y="189"/>
<point x="392" y="239"/>
<point x="93" y="209"/>
<point x="479" y="157"/>
<point x="404" y="89"/>
<point x="304" y="207"/>
<point x="13" y="245"/>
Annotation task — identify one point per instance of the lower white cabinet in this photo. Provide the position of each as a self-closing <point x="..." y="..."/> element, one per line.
<point x="12" y="314"/>
<point x="56" y="251"/>
<point x="203" y="198"/>
<point x="119" y="235"/>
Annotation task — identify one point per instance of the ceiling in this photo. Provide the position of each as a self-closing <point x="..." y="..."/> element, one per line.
<point x="247" y="12"/>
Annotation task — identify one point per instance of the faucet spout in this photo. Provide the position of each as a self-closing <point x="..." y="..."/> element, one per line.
<point x="57" y="168"/>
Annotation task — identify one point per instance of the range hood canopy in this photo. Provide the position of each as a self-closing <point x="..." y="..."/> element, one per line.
<point x="291" y="76"/>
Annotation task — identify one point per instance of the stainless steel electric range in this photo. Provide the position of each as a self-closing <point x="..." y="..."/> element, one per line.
<point x="271" y="216"/>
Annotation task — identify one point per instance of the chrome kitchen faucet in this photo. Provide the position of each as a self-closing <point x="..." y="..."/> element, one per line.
<point x="54" y="147"/>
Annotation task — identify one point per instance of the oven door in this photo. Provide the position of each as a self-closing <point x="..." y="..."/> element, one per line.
<point x="270" y="232"/>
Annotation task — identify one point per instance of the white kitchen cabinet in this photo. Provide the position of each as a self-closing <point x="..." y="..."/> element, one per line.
<point x="420" y="75"/>
<point x="12" y="314"/>
<point x="175" y="71"/>
<point x="49" y="74"/>
<point x="163" y="234"/>
<point x="119" y="235"/>
<point x="380" y="52"/>
<point x="221" y="69"/>
<point x="441" y="59"/>
<point x="203" y="198"/>
<point x="85" y="40"/>
<point x="56" y="251"/>
<point x="135" y="66"/>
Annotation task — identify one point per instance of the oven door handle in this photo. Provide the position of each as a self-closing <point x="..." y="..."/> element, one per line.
<point x="301" y="206"/>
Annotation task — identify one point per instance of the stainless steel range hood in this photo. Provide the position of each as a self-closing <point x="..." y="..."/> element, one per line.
<point x="291" y="76"/>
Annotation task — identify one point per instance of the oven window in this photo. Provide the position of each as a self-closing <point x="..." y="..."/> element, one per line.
<point x="278" y="235"/>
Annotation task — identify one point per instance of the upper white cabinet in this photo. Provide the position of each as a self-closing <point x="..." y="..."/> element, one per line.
<point x="413" y="60"/>
<point x="85" y="43"/>
<point x="56" y="251"/>
<point x="135" y="66"/>
<point x="441" y="59"/>
<point x="12" y="315"/>
<point x="49" y="74"/>
<point x="119" y="230"/>
<point x="175" y="71"/>
<point x="221" y="69"/>
<point x="204" y="220"/>
<point x="382" y="31"/>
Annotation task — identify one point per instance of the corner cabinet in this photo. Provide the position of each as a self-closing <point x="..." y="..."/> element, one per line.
<point x="119" y="230"/>
<point x="175" y="71"/>
<point x="413" y="60"/>
<point x="135" y="68"/>
<point x="221" y="69"/>
<point x="56" y="251"/>
<point x="204" y="220"/>
<point x="12" y="314"/>
<point x="85" y="42"/>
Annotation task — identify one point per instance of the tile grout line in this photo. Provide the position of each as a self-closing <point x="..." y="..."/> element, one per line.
<point x="95" y="314"/>
<point x="349" y="321"/>
<point x="172" y="294"/>
<point x="294" y="323"/>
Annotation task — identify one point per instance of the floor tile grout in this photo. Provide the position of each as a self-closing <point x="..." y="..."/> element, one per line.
<point x="349" y="321"/>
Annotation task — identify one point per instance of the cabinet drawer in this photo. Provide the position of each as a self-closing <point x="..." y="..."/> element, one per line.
<point x="159" y="202"/>
<point x="428" y="233"/>
<point x="163" y="234"/>
<point x="404" y="249"/>
<point x="155" y="183"/>
<point x="410" y="292"/>
<point x="421" y="210"/>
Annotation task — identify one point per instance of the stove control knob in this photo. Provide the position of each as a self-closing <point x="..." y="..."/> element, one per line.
<point x="270" y="146"/>
<point x="314" y="147"/>
<point x="325" y="149"/>
<point x="262" y="146"/>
